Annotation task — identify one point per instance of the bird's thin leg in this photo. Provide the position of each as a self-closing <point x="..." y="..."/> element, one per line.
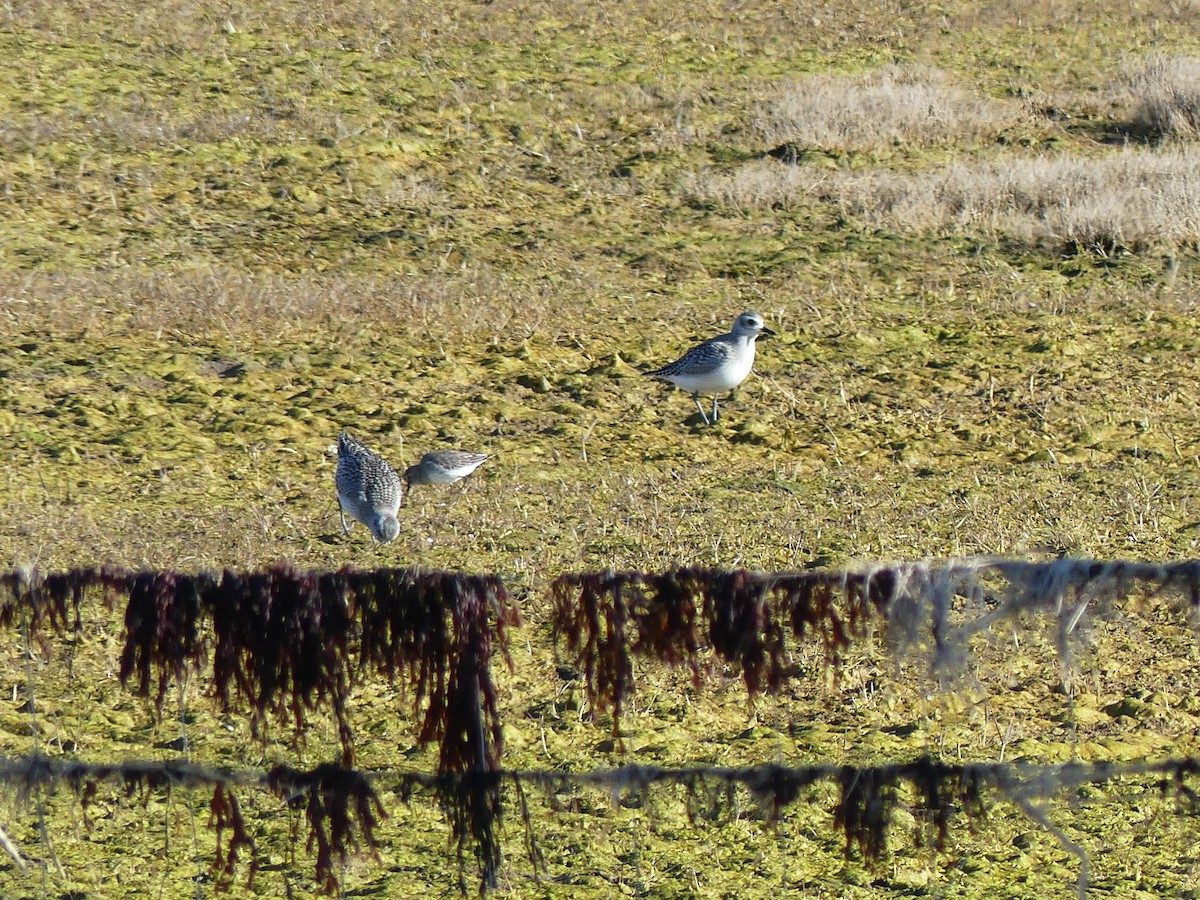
<point x="714" y="407"/>
<point x="703" y="414"/>
<point x="342" y="513"/>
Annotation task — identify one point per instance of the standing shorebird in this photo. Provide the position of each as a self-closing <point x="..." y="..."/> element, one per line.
<point x="719" y="364"/>
<point x="443" y="467"/>
<point x="367" y="488"/>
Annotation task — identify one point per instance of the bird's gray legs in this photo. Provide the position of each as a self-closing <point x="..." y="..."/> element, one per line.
<point x="342" y="513"/>
<point x="703" y="414"/>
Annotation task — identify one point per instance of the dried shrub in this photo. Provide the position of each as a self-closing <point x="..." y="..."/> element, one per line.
<point x="892" y="106"/>
<point x="1166" y="96"/>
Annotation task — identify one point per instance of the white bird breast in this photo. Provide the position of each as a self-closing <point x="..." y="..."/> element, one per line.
<point x="725" y="377"/>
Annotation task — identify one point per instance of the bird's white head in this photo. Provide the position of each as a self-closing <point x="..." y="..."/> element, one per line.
<point x="750" y="324"/>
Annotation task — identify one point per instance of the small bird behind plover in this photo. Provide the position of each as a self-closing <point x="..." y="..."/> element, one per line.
<point x="444" y="467"/>
<point x="367" y="488"/>
<point x="719" y="364"/>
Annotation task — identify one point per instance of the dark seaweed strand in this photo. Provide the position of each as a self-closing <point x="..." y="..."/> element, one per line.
<point x="592" y="619"/>
<point x="870" y="594"/>
<point x="434" y="627"/>
<point x="226" y="813"/>
<point x="342" y="809"/>
<point x="65" y="593"/>
<point x="34" y="600"/>
<point x="868" y="799"/>
<point x="536" y="859"/>
<point x="667" y="623"/>
<point x="605" y="618"/>
<point x="238" y="607"/>
<point x="162" y="630"/>
<point x="405" y="630"/>
<point x="281" y="643"/>
<point x="473" y="739"/>
<point x="568" y="600"/>
<point x="777" y="787"/>
<point x="836" y="606"/>
<point x="573" y="604"/>
<point x="865" y="806"/>
<point x="942" y="790"/>
<point x="312" y="618"/>
<point x="810" y="606"/>
<point x="743" y="628"/>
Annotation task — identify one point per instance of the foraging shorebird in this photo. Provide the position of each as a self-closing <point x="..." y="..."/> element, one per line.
<point x="719" y="364"/>
<point x="444" y="467"/>
<point x="368" y="489"/>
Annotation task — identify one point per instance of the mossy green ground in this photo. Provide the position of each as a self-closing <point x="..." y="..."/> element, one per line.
<point x="229" y="233"/>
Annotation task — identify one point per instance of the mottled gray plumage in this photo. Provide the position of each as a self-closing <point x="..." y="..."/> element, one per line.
<point x="368" y="489"/>
<point x="717" y="365"/>
<point x="443" y="467"/>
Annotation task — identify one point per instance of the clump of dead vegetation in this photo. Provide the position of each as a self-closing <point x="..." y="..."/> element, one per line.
<point x="893" y="106"/>
<point x="1133" y="199"/>
<point x="1166" y="94"/>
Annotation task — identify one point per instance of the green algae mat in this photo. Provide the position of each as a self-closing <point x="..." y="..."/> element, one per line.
<point x="228" y="233"/>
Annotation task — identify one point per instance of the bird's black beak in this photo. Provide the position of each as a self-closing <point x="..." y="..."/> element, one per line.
<point x="766" y="332"/>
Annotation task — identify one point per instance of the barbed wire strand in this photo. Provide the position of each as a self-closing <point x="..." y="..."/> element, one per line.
<point x="1018" y="783"/>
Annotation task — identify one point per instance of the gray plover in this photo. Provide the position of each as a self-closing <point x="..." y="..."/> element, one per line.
<point x="444" y="467"/>
<point x="367" y="488"/>
<point x="719" y="364"/>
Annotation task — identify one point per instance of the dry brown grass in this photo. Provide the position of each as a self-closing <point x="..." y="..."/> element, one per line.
<point x="475" y="301"/>
<point x="1132" y="199"/>
<point x="1166" y="95"/>
<point x="893" y="106"/>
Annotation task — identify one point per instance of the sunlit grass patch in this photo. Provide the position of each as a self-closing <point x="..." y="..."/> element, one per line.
<point x="475" y="300"/>
<point x="893" y="106"/>
<point x="1130" y="200"/>
<point x="1166" y="95"/>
